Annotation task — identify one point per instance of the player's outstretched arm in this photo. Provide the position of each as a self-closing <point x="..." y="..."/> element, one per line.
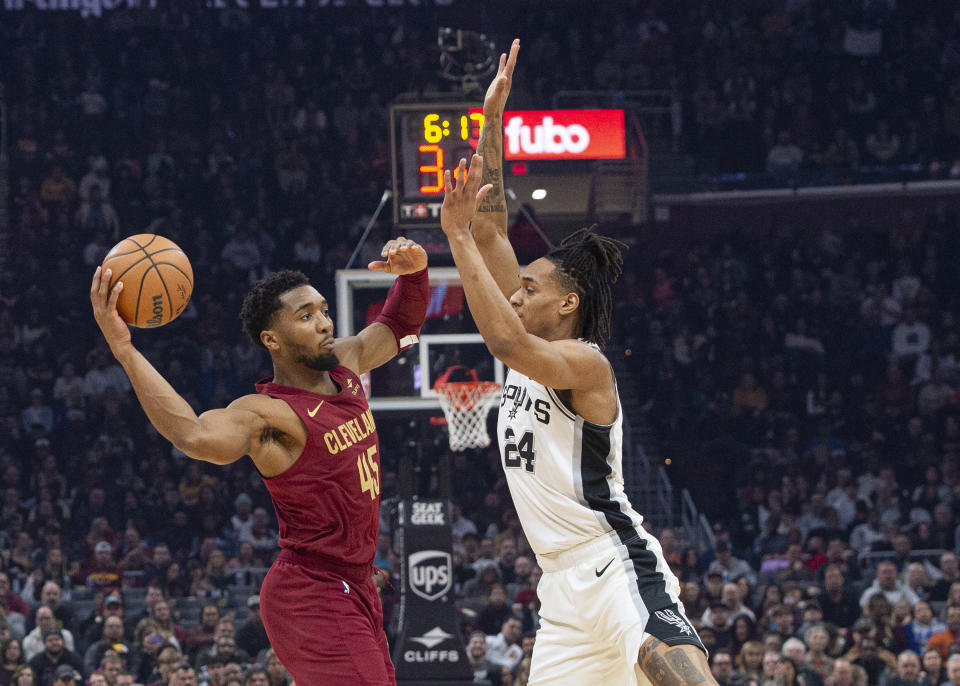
<point x="565" y="364"/>
<point x="490" y="221"/>
<point x="397" y="327"/>
<point x="219" y="436"/>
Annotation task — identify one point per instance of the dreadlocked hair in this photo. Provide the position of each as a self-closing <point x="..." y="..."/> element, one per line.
<point x="588" y="264"/>
<point x="264" y="299"/>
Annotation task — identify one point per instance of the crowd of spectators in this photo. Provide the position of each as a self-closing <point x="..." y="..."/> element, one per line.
<point x="260" y="145"/>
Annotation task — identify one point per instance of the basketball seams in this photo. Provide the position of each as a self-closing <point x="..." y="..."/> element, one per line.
<point x="138" y="248"/>
<point x="188" y="277"/>
<point x="136" y="311"/>
<point x="138" y="263"/>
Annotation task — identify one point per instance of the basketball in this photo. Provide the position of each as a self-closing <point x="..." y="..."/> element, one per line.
<point x="157" y="279"/>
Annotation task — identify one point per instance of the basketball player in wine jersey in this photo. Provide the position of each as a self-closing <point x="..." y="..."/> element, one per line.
<point x="610" y="612"/>
<point x="311" y="436"/>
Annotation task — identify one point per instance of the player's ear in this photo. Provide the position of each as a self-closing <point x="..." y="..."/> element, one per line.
<point x="569" y="304"/>
<point x="270" y="339"/>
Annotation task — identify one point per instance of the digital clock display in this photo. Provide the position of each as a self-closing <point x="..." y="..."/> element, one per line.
<point x="425" y="141"/>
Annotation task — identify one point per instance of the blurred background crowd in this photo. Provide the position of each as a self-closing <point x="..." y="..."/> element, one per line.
<point x="809" y="375"/>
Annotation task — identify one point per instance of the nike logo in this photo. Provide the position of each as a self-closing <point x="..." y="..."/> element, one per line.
<point x="601" y="571"/>
<point x="315" y="410"/>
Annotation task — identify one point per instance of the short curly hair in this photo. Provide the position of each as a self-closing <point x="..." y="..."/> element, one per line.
<point x="264" y="299"/>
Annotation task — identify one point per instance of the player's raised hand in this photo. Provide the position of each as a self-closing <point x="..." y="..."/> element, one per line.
<point x="104" y="301"/>
<point x="403" y="256"/>
<point x="460" y="203"/>
<point x="496" y="98"/>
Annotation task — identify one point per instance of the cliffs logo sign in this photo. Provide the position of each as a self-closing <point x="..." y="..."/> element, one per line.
<point x="563" y="134"/>
<point x="431" y="573"/>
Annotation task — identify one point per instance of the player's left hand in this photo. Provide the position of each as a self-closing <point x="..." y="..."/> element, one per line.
<point x="496" y="98"/>
<point x="403" y="256"/>
<point x="461" y="203"/>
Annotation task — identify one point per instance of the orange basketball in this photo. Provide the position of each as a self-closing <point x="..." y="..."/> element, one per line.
<point x="157" y="279"/>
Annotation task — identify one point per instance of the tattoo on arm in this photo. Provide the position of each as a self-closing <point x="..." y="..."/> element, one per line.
<point x="669" y="666"/>
<point x="491" y="147"/>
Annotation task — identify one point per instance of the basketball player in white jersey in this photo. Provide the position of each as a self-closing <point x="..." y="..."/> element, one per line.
<point x="610" y="612"/>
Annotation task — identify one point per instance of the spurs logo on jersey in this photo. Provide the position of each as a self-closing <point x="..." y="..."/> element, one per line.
<point x="564" y="473"/>
<point x="516" y="399"/>
<point x="671" y="617"/>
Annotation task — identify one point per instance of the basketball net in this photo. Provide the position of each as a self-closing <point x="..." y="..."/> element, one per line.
<point x="465" y="405"/>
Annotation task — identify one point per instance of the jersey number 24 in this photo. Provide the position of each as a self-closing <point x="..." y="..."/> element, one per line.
<point x="516" y="452"/>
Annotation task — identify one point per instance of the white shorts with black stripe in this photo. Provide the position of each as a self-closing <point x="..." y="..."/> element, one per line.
<point x="599" y="602"/>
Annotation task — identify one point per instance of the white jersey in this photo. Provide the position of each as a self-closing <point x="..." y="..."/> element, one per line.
<point x="565" y="473"/>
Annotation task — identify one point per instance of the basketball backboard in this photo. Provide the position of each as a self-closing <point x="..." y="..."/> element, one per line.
<point x="448" y="337"/>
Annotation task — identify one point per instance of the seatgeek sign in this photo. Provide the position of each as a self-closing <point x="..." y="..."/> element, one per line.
<point x="563" y="134"/>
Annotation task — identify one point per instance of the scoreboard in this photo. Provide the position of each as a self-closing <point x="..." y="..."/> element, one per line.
<point x="425" y="140"/>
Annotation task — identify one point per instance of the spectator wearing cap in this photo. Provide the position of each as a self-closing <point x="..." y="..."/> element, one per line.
<point x="719" y="621"/>
<point x="64" y="675"/>
<point x="110" y="606"/>
<point x="252" y="637"/>
<point x="33" y="642"/>
<point x="887" y="583"/>
<point x="103" y="574"/>
<point x="712" y="586"/>
<point x="731" y="596"/>
<point x="731" y="567"/>
<point x="113" y="639"/>
<point x="54" y="655"/>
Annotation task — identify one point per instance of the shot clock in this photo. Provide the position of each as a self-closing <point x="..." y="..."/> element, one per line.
<point x="426" y="139"/>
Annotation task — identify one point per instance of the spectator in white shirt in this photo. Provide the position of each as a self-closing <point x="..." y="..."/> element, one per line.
<point x="886" y="582"/>
<point x="504" y="649"/>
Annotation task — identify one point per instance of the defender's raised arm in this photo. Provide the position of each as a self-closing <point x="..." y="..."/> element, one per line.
<point x="490" y="222"/>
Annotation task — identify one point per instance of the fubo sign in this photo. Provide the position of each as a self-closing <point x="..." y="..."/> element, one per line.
<point x="563" y="134"/>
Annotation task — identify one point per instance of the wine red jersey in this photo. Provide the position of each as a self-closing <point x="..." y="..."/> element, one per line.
<point x="328" y="501"/>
